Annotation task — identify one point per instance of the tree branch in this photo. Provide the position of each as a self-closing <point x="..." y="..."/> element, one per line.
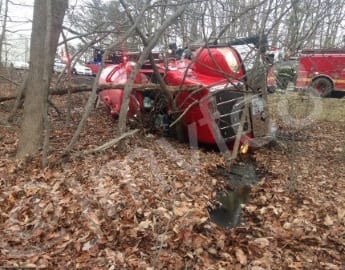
<point x="112" y="142"/>
<point x="142" y="58"/>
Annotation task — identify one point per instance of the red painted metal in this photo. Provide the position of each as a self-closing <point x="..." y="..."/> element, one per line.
<point x="328" y="64"/>
<point x="214" y="69"/>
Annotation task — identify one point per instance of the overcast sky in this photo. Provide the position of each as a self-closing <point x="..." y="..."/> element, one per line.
<point x="18" y="32"/>
<point x="19" y="28"/>
<point x="20" y="16"/>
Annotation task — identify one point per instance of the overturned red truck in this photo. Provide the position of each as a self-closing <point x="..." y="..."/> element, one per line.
<point x="227" y="76"/>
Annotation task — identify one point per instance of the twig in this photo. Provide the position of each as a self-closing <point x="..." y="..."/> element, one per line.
<point x="51" y="103"/>
<point x="9" y="80"/>
<point x="112" y="142"/>
<point x="184" y="112"/>
<point x="19" y="98"/>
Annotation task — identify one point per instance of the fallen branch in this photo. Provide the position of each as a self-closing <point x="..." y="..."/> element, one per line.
<point x="150" y="87"/>
<point x="112" y="142"/>
<point x="2" y="99"/>
<point x="145" y="87"/>
<point x="87" y="88"/>
<point x="137" y="87"/>
<point x="9" y="80"/>
<point x="58" y="92"/>
<point x="184" y="112"/>
<point x="72" y="88"/>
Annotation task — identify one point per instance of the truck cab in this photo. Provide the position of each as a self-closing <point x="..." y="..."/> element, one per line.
<point x="218" y="92"/>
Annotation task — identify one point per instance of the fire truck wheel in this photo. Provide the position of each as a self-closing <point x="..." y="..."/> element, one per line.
<point x="322" y="87"/>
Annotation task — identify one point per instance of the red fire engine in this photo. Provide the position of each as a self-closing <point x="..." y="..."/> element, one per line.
<point x="210" y="115"/>
<point x="321" y="71"/>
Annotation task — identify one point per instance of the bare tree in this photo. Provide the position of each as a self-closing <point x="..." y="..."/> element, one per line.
<point x="3" y="30"/>
<point x="46" y="28"/>
<point x="144" y="55"/>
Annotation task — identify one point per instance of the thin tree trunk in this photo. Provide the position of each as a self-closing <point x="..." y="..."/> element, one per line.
<point x="3" y="31"/>
<point x="69" y="79"/>
<point x="93" y="96"/>
<point x="19" y="98"/>
<point x="142" y="58"/>
<point x="46" y="83"/>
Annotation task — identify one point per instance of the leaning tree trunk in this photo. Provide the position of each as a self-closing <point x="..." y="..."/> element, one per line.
<point x="147" y="50"/>
<point x="46" y="28"/>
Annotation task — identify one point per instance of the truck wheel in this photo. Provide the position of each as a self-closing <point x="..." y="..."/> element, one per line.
<point x="321" y="87"/>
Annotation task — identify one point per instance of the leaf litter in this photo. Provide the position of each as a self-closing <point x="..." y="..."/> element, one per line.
<point x="147" y="208"/>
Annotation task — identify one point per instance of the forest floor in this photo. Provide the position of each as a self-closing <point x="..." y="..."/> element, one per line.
<point x="147" y="207"/>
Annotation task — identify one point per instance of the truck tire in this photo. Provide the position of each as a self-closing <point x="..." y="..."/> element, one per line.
<point x="321" y="87"/>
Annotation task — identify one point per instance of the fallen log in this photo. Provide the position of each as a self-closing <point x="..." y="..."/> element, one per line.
<point x="87" y="88"/>
<point x="137" y="87"/>
<point x="59" y="91"/>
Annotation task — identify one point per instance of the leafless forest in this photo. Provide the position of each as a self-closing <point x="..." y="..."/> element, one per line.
<point x="144" y="202"/>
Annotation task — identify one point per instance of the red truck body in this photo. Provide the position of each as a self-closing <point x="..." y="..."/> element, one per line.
<point x="210" y="115"/>
<point x="322" y="71"/>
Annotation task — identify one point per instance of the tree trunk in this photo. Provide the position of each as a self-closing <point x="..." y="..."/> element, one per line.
<point x="3" y="31"/>
<point x="46" y="28"/>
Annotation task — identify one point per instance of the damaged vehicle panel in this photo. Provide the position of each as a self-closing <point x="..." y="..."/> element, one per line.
<point x="220" y="89"/>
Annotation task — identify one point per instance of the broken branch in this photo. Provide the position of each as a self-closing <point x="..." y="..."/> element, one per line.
<point x="113" y="142"/>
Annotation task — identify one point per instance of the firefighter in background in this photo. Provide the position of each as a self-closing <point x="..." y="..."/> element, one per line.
<point x="285" y="74"/>
<point x="282" y="73"/>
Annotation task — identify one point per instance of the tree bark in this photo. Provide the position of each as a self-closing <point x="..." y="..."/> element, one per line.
<point x="44" y="38"/>
<point x="3" y="31"/>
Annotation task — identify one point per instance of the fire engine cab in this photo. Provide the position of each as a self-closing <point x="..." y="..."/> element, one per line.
<point x="230" y="97"/>
<point x="322" y="71"/>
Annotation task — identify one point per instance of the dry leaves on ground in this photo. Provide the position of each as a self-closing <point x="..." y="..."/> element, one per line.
<point x="147" y="208"/>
